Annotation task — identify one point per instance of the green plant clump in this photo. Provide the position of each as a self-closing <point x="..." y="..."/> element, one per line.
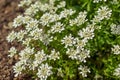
<point x="68" y="39"/>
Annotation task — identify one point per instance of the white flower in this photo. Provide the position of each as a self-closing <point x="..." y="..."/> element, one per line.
<point x="12" y="36"/>
<point x="26" y="54"/>
<point x="116" y="49"/>
<point x="115" y="29"/>
<point x="97" y="1"/>
<point x="54" y="55"/>
<point x="45" y="19"/>
<point x="12" y="51"/>
<point x="68" y="41"/>
<point x="117" y="71"/>
<point x="18" y="21"/>
<point x="60" y="73"/>
<point x="84" y="70"/>
<point x="86" y="33"/>
<point x="80" y="19"/>
<point x="66" y="12"/>
<point x="80" y="43"/>
<point x="26" y="42"/>
<point x="33" y="24"/>
<point x="32" y="10"/>
<point x="83" y="54"/>
<point x="20" y="35"/>
<point x="72" y="53"/>
<point x="18" y="68"/>
<point x="25" y="3"/>
<point x="36" y="34"/>
<point x="58" y="27"/>
<point x="62" y="4"/>
<point x="39" y="58"/>
<point x="44" y="71"/>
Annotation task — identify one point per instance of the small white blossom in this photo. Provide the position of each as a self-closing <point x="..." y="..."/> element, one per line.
<point x="86" y="33"/>
<point x="20" y="35"/>
<point x="32" y="10"/>
<point x="62" y="4"/>
<point x="18" y="68"/>
<point x="39" y="58"/>
<point x="83" y="70"/>
<point x="72" y="53"/>
<point x="115" y="29"/>
<point x="45" y="19"/>
<point x="25" y="3"/>
<point x="12" y="36"/>
<point x="18" y="21"/>
<point x="33" y="24"/>
<point x="116" y="49"/>
<point x="66" y="12"/>
<point x="68" y="41"/>
<point x="80" y="19"/>
<point x="117" y="71"/>
<point x="60" y="72"/>
<point x="97" y="1"/>
<point x="44" y="71"/>
<point x="26" y="54"/>
<point x="83" y="54"/>
<point x="26" y="41"/>
<point x="54" y="55"/>
<point x="36" y="34"/>
<point x="12" y="51"/>
<point x="81" y="43"/>
<point x="58" y="27"/>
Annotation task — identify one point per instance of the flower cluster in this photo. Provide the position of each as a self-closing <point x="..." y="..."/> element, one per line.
<point x="58" y="37"/>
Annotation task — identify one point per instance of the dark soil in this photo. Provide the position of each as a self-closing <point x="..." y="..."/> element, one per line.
<point x="8" y="11"/>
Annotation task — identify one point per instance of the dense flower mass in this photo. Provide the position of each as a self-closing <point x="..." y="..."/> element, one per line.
<point x="62" y="38"/>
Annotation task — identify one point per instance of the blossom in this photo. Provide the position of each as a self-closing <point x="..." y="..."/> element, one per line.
<point x="116" y="49"/>
<point x="54" y="55"/>
<point x="117" y="71"/>
<point x="26" y="53"/>
<point x="83" y="70"/>
<point x="20" y="35"/>
<point x="80" y="19"/>
<point x="68" y="41"/>
<point x="83" y="54"/>
<point x="115" y="29"/>
<point x="18" y="68"/>
<point x="58" y="27"/>
<point x="12" y="51"/>
<point x="18" y="21"/>
<point x="39" y="58"/>
<point x="44" y="71"/>
<point x="72" y="53"/>
<point x="12" y="36"/>
<point x="86" y="33"/>
<point x="36" y="34"/>
<point x="31" y="25"/>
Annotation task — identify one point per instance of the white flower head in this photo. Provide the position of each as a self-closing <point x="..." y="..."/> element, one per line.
<point x="83" y="70"/>
<point x="18" y="21"/>
<point x="54" y="55"/>
<point x="12" y="51"/>
<point x="12" y="36"/>
<point x="83" y="54"/>
<point x="39" y="58"/>
<point x="18" y="68"/>
<point x="44" y="71"/>
<point x="116" y="49"/>
<point x="68" y="41"/>
<point x="86" y="33"/>
<point x="58" y="27"/>
<point x="72" y="53"/>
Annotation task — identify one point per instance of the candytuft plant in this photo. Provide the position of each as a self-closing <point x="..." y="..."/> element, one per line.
<point x="68" y="39"/>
